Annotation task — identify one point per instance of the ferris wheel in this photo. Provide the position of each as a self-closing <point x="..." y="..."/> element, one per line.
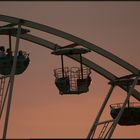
<point x="69" y="81"/>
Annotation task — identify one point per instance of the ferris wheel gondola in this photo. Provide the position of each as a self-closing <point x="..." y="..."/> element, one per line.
<point x="131" y="113"/>
<point x="6" y="62"/>
<point x="72" y="80"/>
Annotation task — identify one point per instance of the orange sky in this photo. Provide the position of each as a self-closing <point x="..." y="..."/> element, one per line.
<point x="38" y="111"/>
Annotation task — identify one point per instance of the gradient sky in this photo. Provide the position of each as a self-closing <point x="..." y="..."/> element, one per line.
<point x="38" y="111"/>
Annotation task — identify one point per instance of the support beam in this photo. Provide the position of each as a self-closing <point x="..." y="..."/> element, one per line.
<point x="12" y="76"/>
<point x="94" y="126"/>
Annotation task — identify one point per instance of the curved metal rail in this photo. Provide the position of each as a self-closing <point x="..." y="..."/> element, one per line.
<point x="72" y="38"/>
<point x="77" y="40"/>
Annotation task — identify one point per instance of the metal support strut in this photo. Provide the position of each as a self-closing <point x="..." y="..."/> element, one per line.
<point x="115" y="121"/>
<point x="94" y="126"/>
<point x="2" y="84"/>
<point x="12" y="76"/>
<point x="4" y="92"/>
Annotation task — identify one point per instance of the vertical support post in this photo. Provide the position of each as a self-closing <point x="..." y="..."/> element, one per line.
<point x="93" y="128"/>
<point x="12" y="76"/>
<point x="128" y="86"/>
<point x="4" y="100"/>
<point x="81" y="65"/>
<point x="10" y="42"/>
<point x="62" y="62"/>
<point x="2" y="85"/>
<point x="122" y="109"/>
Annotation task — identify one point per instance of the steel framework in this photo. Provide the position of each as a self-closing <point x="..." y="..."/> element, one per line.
<point x="13" y="21"/>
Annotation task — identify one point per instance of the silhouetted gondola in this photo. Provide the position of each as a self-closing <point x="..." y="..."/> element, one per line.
<point x="131" y="113"/>
<point x="130" y="116"/>
<point x="6" y="62"/>
<point x="72" y="80"/>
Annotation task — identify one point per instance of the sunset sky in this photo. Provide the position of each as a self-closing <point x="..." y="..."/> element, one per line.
<point x="38" y="111"/>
